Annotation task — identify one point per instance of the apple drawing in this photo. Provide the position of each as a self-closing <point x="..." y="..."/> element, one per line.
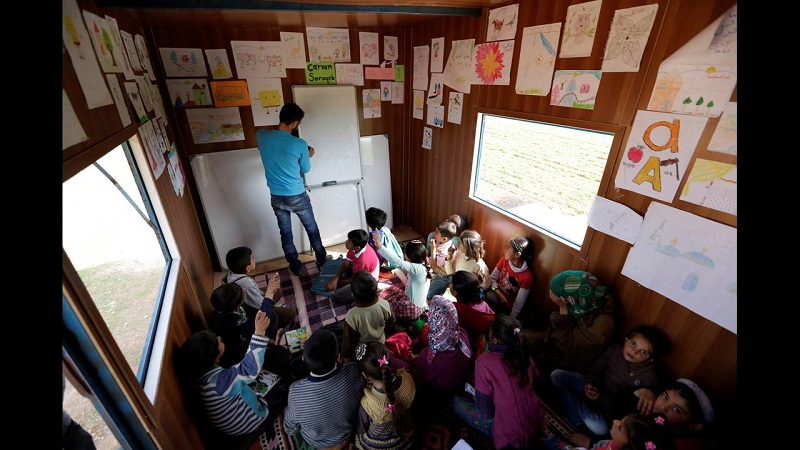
<point x="635" y="154"/>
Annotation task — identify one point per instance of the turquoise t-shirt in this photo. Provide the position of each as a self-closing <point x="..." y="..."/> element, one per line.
<point x="285" y="159"/>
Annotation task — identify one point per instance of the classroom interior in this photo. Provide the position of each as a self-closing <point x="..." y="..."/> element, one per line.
<point x="427" y="184"/>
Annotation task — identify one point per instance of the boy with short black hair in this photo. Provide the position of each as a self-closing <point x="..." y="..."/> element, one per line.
<point x="230" y="322"/>
<point x="442" y="247"/>
<point x="360" y="256"/>
<point x="230" y="403"/>
<point x="376" y="221"/>
<point x="241" y="262"/>
<point x="367" y="319"/>
<point x="323" y="408"/>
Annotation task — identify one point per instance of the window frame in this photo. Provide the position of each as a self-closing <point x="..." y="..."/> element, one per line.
<point x="151" y="366"/>
<point x="619" y="132"/>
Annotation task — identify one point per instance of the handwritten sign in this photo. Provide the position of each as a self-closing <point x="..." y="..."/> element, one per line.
<point x="320" y="73"/>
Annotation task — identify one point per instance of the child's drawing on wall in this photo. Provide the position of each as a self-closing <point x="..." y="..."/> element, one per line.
<point x="580" y="29"/>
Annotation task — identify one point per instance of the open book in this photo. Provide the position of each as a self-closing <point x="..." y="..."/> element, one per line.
<point x="264" y="382"/>
<point x="296" y="339"/>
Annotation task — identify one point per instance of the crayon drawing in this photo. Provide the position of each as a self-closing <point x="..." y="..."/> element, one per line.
<point x="230" y="93"/>
<point x="390" y="48"/>
<point x="119" y="48"/>
<point x="419" y="104"/>
<point x="688" y="259"/>
<point x="397" y="93"/>
<point x="372" y="103"/>
<point x="350" y="73"/>
<point x="119" y="99"/>
<point x="459" y="66"/>
<point x="328" y="44"/>
<point x="154" y="156"/>
<point x="454" y="107"/>
<point x="575" y="88"/>
<point x="630" y="30"/>
<point x="144" y="56"/>
<point x="130" y="49"/>
<point x="183" y="62"/>
<point x="437" y="55"/>
<point x="436" y="116"/>
<point x="215" y="125"/>
<point x="108" y="53"/>
<point x="580" y="29"/>
<point x="420" y="67"/>
<point x="266" y="100"/>
<point x="189" y="92"/>
<point x="493" y="63"/>
<point x="219" y="64"/>
<point x="261" y="59"/>
<point x="132" y="88"/>
<point x="427" y="138"/>
<point x="502" y="23"/>
<point x="435" y="90"/>
<point x="78" y="44"/>
<point x="537" y="59"/>
<point x="724" y="138"/>
<point x="711" y="184"/>
<point x="294" y="50"/>
<point x="693" y="89"/>
<point x="386" y="91"/>
<point x="144" y="91"/>
<point x="658" y="152"/>
<point x="368" y="45"/>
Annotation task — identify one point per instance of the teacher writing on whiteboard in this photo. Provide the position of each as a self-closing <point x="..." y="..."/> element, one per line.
<point x="285" y="158"/>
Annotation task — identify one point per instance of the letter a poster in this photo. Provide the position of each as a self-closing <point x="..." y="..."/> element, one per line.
<point x="657" y="153"/>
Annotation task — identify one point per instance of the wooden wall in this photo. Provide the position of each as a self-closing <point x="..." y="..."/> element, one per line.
<point x="702" y="350"/>
<point x="421" y="195"/>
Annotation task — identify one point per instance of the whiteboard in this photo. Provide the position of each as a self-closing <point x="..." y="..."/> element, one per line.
<point x="236" y="201"/>
<point x="330" y="125"/>
<point x="377" y="183"/>
<point x="337" y="210"/>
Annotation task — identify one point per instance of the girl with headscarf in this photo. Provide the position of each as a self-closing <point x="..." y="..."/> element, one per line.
<point x="580" y="330"/>
<point x="445" y="362"/>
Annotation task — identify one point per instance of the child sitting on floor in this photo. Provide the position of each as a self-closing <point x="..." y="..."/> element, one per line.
<point x="604" y="392"/>
<point x="467" y="256"/>
<point x="442" y="246"/>
<point x="241" y="262"/>
<point x="461" y="225"/>
<point x="632" y="432"/>
<point x="409" y="304"/>
<point x="474" y="314"/>
<point x="360" y="256"/>
<point x="385" y="412"/>
<point x="367" y="319"/>
<point x="512" y="278"/>
<point x="376" y="221"/>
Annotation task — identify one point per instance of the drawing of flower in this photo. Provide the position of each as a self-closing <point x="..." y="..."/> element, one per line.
<point x="490" y="62"/>
<point x="626" y="43"/>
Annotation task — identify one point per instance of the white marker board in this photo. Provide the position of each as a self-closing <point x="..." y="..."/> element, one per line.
<point x="236" y="200"/>
<point x="330" y="125"/>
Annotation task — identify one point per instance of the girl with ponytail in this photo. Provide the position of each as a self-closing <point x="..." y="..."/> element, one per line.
<point x="384" y="420"/>
<point x="505" y="408"/>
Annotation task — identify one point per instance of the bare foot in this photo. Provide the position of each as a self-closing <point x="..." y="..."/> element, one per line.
<point x="580" y="440"/>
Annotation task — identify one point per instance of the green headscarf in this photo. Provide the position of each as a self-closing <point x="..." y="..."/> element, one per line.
<point x="583" y="288"/>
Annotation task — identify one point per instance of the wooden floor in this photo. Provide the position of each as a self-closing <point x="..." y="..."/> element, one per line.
<point x="401" y="232"/>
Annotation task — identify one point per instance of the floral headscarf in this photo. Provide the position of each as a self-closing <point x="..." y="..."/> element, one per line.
<point x="443" y="326"/>
<point x="583" y="288"/>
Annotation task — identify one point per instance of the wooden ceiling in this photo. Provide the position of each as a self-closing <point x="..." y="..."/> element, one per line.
<point x="295" y="13"/>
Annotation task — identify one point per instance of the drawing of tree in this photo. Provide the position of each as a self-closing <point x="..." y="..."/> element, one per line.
<point x="698" y="104"/>
<point x="709" y="105"/>
<point x="686" y="101"/>
<point x="109" y="45"/>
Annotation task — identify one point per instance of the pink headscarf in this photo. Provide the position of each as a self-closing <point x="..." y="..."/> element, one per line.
<point x="444" y="331"/>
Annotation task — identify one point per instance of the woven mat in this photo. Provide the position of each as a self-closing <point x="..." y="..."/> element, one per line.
<point x="313" y="311"/>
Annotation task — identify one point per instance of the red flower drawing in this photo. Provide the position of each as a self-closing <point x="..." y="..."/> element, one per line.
<point x="490" y="62"/>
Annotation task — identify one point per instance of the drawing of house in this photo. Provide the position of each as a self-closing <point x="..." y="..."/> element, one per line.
<point x="665" y="91"/>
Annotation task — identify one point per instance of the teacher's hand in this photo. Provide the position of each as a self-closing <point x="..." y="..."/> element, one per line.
<point x="311" y="151"/>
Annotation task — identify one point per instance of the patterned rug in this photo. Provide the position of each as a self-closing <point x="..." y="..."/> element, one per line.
<point x="437" y="426"/>
<point x="313" y="311"/>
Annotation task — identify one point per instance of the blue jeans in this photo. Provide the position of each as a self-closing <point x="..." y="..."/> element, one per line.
<point x="439" y="285"/>
<point x="465" y="409"/>
<point x="301" y="205"/>
<point x="580" y="410"/>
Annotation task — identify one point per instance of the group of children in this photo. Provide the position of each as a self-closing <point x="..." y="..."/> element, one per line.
<point x="454" y="324"/>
